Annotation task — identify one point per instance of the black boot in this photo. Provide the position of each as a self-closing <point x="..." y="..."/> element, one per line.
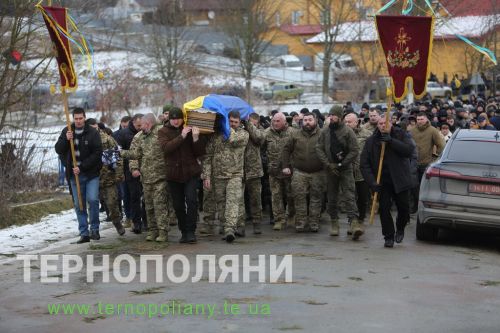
<point x="389" y="241"/>
<point x="400" y="234"/>
<point x="183" y="238"/>
<point x="94" y="235"/>
<point x="83" y="239"/>
<point x="191" y="237"/>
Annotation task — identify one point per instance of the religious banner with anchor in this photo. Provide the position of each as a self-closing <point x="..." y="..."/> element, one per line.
<point x="407" y="45"/>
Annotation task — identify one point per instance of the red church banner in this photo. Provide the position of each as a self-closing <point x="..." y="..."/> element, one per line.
<point x="55" y="20"/>
<point x="407" y="44"/>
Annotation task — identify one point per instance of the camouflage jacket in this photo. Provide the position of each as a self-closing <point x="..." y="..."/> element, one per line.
<point x="253" y="160"/>
<point x="146" y="156"/>
<point x="300" y="151"/>
<point x="361" y="134"/>
<point x="274" y="143"/>
<point x="224" y="159"/>
<point x="110" y="176"/>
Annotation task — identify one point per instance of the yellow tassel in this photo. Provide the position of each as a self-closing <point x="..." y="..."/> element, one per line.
<point x="100" y="75"/>
<point x="52" y="89"/>
<point x="388" y="92"/>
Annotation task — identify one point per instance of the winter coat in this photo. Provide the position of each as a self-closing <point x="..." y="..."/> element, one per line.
<point x="300" y="151"/>
<point x="124" y="138"/>
<point x="274" y="143"/>
<point x="90" y="151"/>
<point x="180" y="154"/>
<point x="346" y="137"/>
<point x="146" y="156"/>
<point x="224" y="159"/>
<point x="396" y="160"/>
<point x="109" y="176"/>
<point x="362" y="134"/>
<point x="253" y="159"/>
<point x="426" y="137"/>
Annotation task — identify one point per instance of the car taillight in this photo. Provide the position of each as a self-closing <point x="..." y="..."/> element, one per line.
<point x="437" y="172"/>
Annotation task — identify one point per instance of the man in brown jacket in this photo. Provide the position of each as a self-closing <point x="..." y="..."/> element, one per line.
<point x="181" y="147"/>
<point x="300" y="158"/>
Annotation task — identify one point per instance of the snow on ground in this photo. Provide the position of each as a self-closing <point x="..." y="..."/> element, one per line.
<point x="49" y="232"/>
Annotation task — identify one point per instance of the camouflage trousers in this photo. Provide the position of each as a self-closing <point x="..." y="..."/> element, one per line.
<point x="110" y="196"/>
<point x="345" y="181"/>
<point x="209" y="207"/>
<point x="158" y="204"/>
<point x="254" y="190"/>
<point x="228" y="193"/>
<point x="281" y="191"/>
<point x="303" y="184"/>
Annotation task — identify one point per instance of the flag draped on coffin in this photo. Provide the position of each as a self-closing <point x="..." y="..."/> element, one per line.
<point x="55" y="20"/>
<point x="221" y="104"/>
<point x="407" y="45"/>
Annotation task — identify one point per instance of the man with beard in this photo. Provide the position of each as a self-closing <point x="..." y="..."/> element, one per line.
<point x="300" y="159"/>
<point x="337" y="149"/>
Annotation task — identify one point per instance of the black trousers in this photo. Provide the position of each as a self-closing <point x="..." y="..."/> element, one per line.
<point x="362" y="198"/>
<point x="402" y="200"/>
<point x="185" y="201"/>
<point x="137" y="209"/>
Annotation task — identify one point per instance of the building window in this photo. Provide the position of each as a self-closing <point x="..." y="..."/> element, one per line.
<point x="278" y="19"/>
<point x="296" y="17"/>
<point x="325" y="17"/>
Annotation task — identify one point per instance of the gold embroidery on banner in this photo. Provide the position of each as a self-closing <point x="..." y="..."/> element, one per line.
<point x="402" y="57"/>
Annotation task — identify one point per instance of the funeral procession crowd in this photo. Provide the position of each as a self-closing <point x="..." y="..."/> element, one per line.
<point x="154" y="173"/>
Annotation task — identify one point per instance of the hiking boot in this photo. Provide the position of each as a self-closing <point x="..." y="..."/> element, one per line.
<point x="240" y="231"/>
<point x="357" y="229"/>
<point x="152" y="235"/>
<point x="191" y="237"/>
<point x="256" y="229"/>
<point x="162" y="236"/>
<point x="83" y="239"/>
<point x="334" y="227"/>
<point x="119" y="228"/>
<point x="389" y="242"/>
<point x="278" y="226"/>
<point x="94" y="235"/>
<point x="229" y="237"/>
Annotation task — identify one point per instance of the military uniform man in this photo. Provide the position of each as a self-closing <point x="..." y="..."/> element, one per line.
<point x="300" y="158"/>
<point x="252" y="183"/>
<point x="274" y="139"/>
<point x="337" y="149"/>
<point x="147" y="162"/>
<point x="362" y="188"/>
<point x="223" y="165"/>
<point x="110" y="175"/>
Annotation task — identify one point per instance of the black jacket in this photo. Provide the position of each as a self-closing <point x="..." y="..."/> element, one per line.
<point x="90" y="151"/>
<point x="397" y="159"/>
<point x="124" y="138"/>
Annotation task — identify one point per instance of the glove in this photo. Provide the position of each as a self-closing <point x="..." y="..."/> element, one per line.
<point x="376" y="188"/>
<point x="385" y="137"/>
<point x="334" y="169"/>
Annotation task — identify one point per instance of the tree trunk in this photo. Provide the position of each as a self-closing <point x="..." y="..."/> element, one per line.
<point x="326" y="78"/>
<point x="248" y="90"/>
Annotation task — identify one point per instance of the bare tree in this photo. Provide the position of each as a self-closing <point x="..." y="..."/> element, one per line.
<point x="19" y="32"/>
<point x="248" y="29"/>
<point x="168" y="46"/>
<point x="332" y="15"/>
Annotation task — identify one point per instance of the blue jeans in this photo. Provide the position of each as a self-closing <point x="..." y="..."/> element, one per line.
<point x="90" y="195"/>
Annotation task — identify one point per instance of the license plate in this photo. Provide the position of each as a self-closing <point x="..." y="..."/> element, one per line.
<point x="484" y="188"/>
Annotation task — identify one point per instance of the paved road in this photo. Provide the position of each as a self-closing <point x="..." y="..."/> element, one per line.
<point x="338" y="286"/>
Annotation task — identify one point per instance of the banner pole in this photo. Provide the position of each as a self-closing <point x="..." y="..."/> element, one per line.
<point x="381" y="160"/>
<point x="72" y="146"/>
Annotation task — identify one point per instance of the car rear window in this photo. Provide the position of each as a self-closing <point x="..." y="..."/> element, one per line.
<point x="487" y="152"/>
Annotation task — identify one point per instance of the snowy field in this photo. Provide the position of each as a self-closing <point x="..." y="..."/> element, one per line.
<point x="52" y="231"/>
